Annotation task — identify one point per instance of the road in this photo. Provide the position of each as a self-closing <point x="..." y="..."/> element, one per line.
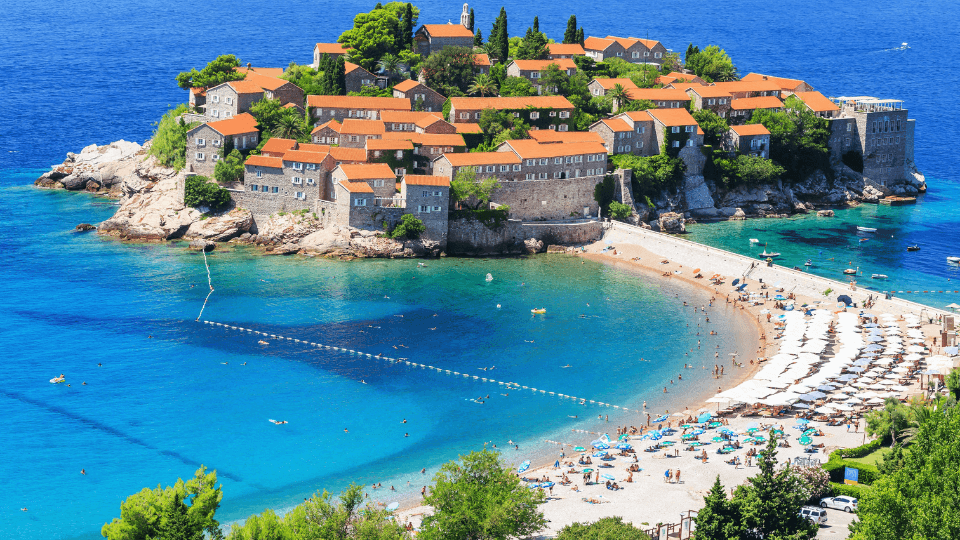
<point x="836" y="527"/>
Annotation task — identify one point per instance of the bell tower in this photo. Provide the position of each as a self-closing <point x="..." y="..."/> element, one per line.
<point x="465" y="16"/>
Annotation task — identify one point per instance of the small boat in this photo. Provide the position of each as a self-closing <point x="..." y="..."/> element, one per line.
<point x="866" y="229"/>
<point x="879" y="276"/>
<point x="898" y="201"/>
<point x="765" y="254"/>
<point x="538" y="310"/>
<point x="953" y="259"/>
<point x="862" y="240"/>
<point x="850" y="271"/>
<point x="808" y="263"/>
<point x="913" y="248"/>
<point x="489" y="277"/>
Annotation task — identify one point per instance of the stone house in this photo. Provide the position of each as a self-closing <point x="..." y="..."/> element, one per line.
<point x="427" y="147"/>
<point x="430" y="38"/>
<point x="556" y="51"/>
<point x="206" y="141"/>
<point x="716" y="99"/>
<point x="197" y="99"/>
<point x="348" y="156"/>
<point x="532" y="70"/>
<point x="751" y="139"/>
<point x="417" y="121"/>
<point x="884" y="137"/>
<point x="266" y="183"/>
<point x="644" y="132"/>
<point x="235" y="97"/>
<point x="748" y="89"/>
<point x="277" y="147"/>
<point x="627" y="133"/>
<point x="538" y="111"/>
<point x="355" y="77"/>
<point x="481" y="61"/>
<point x="332" y="50"/>
<point x="327" y="133"/>
<point x="819" y="104"/>
<point x="600" y="87"/>
<point x="663" y="98"/>
<point x="274" y="73"/>
<point x="505" y="166"/>
<point x="634" y="50"/>
<point x="557" y="160"/>
<point x="390" y="151"/>
<point x="544" y="136"/>
<point x="601" y="49"/>
<point x="428" y="198"/>
<point x="421" y="96"/>
<point x="741" y="110"/>
<point x="787" y="86"/>
<point x="675" y="128"/>
<point x="308" y="174"/>
<point x="354" y="133"/>
<point x="326" y="108"/>
<point x="379" y="176"/>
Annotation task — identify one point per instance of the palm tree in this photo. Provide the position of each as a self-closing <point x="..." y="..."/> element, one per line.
<point x="619" y="95"/>
<point x="483" y="84"/>
<point x="289" y="127"/>
<point x="389" y="63"/>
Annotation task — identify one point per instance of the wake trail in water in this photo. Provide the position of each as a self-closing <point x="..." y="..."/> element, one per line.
<point x="209" y="282"/>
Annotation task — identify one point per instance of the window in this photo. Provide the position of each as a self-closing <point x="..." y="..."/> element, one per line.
<point x="275" y="189"/>
<point x="544" y="161"/>
<point x="688" y="129"/>
<point x="199" y="156"/>
<point x="849" y="126"/>
<point x="531" y="162"/>
<point x="635" y="55"/>
<point x="504" y="168"/>
<point x="646" y="54"/>
<point x="476" y="115"/>
<point x="626" y="148"/>
<point x="516" y="168"/>
<point x="254" y="187"/>
<point x="898" y="139"/>
<point x="478" y="169"/>
<point x="265" y="189"/>
<point x="641" y="129"/>
<point x="564" y="114"/>
<point x="658" y="55"/>
<point x="200" y="142"/>
<point x="299" y="195"/>
<point x="553" y="127"/>
<point x="378" y="183"/>
<point x="311" y="166"/>
<point x="675" y="129"/>
<point x="216" y="113"/>
<point x="438" y="193"/>
<point x="689" y="142"/>
<point x="491" y="168"/>
<point x="535" y="75"/>
<point x="465" y="115"/>
<point x="516" y="115"/>
<point x="557" y="161"/>
<point x="563" y="127"/>
<point x="425" y="194"/>
<point x="376" y="153"/>
<point x="298" y="166"/>
<point x="578" y="159"/>
<point x="676" y="144"/>
<point x="399" y="154"/>
<point x="558" y="174"/>
<point x="619" y="149"/>
<point x="436" y="208"/>
<point x="259" y="173"/>
<point x="424" y="209"/>
<point x="216" y="99"/>
<point x="568" y="159"/>
<point x="600" y="157"/>
<point x="553" y="113"/>
<point x="640" y="144"/>
<point x="215" y="157"/>
<point x="310" y="182"/>
<point x="534" y="115"/>
<point x="543" y="176"/>
<point x="354" y="138"/>
<point x="229" y="100"/>
<point x="619" y="54"/>
<point x="531" y="176"/>
<point x="359" y="202"/>
<point x="591" y="157"/>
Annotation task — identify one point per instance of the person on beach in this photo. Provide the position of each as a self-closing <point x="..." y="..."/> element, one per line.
<point x="667" y="475"/>
<point x="678" y="476"/>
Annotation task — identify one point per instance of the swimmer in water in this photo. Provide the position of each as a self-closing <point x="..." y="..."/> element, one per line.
<point x="566" y="366"/>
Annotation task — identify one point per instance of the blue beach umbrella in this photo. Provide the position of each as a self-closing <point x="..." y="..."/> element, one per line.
<point x="523" y="467"/>
<point x="600" y="453"/>
<point x="393" y="506"/>
<point x="607" y="476"/>
<point x="802" y="421"/>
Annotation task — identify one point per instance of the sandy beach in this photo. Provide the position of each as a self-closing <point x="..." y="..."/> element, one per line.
<point x="649" y="499"/>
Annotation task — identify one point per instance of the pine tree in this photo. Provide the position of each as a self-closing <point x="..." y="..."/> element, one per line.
<point x="536" y="24"/>
<point x="719" y="519"/>
<point x="470" y="21"/>
<point x="478" y="39"/>
<point x="691" y="51"/>
<point x="175" y="523"/>
<point x="570" y="35"/>
<point x="406" y="28"/>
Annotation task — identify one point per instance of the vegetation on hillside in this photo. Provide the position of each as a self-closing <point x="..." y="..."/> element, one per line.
<point x="220" y="70"/>
<point x="201" y="191"/>
<point x="798" y="138"/>
<point x="387" y="29"/>
<point x="170" y="139"/>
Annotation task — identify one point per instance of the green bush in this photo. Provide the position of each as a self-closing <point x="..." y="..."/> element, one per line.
<point x="201" y="191"/>
<point x="859" y="451"/>
<point x="835" y="468"/>
<point x="620" y="210"/>
<point x="170" y="139"/>
<point x="602" y="529"/>
<point x="846" y="490"/>
<point x="410" y="227"/>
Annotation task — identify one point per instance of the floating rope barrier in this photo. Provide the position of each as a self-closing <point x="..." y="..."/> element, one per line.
<point x="406" y="362"/>
<point x="920" y="292"/>
<point x="209" y="282"/>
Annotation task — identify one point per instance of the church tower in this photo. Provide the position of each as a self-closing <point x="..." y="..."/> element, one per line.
<point x="465" y="16"/>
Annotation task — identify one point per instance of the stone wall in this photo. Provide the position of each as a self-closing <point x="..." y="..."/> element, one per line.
<point x="468" y="236"/>
<point x="578" y="232"/>
<point x="262" y="205"/>
<point x="549" y="199"/>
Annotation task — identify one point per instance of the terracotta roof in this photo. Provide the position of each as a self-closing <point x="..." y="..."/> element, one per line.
<point x="482" y="158"/>
<point x="764" y="102"/>
<point x="441" y="139"/>
<point x="817" y="101"/>
<point x="199" y="91"/>
<point x="332" y="124"/>
<point x="342" y="153"/>
<point x="389" y="144"/>
<point x="710" y="91"/>
<point x="350" y="67"/>
<point x="426" y="180"/>
<point x="353" y="126"/>
<point x="748" y="86"/>
<point x="529" y="148"/>
<point x="467" y="127"/>
<point x="500" y="103"/>
<point x="597" y="44"/>
<point x="551" y="136"/>
<point x="241" y="123"/>
<point x="750" y="129"/>
<point x="626" y="43"/>
<point x="265" y="161"/>
<point x="269" y="72"/>
<point x="447" y="30"/>
<point x="292" y="106"/>
<point x="539" y="65"/>
<point x="658" y="94"/>
<point x="672" y="117"/>
<point x="331" y="48"/>
<point x="676" y="75"/>
<point x="307" y="147"/>
<point x="608" y="84"/>
<point x="616" y="124"/>
<point x="481" y="59"/>
<point x="408" y="84"/>
<point x="648" y="43"/>
<point x="428" y="121"/>
<point x="565" y="48"/>
<point x="305" y="157"/>
<point x="367" y="171"/>
<point x="278" y="145"/>
<point x="407" y="117"/>
<point x="357" y="187"/>
<point x="245" y="87"/>
<point x="358" y="102"/>
<point x="638" y="116"/>
<point x="266" y="82"/>
<point x="785" y="83"/>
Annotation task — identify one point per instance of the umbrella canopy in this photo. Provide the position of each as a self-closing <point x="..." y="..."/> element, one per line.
<point x="607" y="476"/>
<point x="523" y="467"/>
<point x="393" y="506"/>
<point x="803" y="421"/>
<point x="601" y="453"/>
<point x="806" y="441"/>
<point x="579" y="449"/>
<point x="845" y="299"/>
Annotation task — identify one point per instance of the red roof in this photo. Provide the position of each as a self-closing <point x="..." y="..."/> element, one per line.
<point x="245" y="87"/>
<point x="638" y="116"/>
<point x="597" y="44"/>
<point x="389" y="144"/>
<point x="539" y="65"/>
<point x="672" y="117"/>
<point x="269" y="72"/>
<point x="407" y="117"/>
<point x="358" y="102"/>
<point x="265" y="161"/>
<point x="447" y="30"/>
<point x="500" y="103"/>
<point x="407" y="85"/>
<point x="552" y="136"/>
<point x="331" y="48"/>
<point x="426" y="180"/>
<point x="353" y="126"/>
<point x="305" y="157"/>
<point x="441" y="139"/>
<point x="367" y="171"/>
<point x="530" y="149"/>
<point x="350" y="67"/>
<point x="658" y="94"/>
<point x="357" y="187"/>
<point x="307" y="147"/>
<point x="241" y="123"/>
<point x="817" y="102"/>
<point x="276" y="145"/>
<point x="342" y="153"/>
<point x="750" y="129"/>
<point x="785" y="83"/>
<point x="265" y="81"/>
<point x="608" y="84"/>
<point x="763" y="102"/>
<point x="749" y="86"/>
<point x="481" y="59"/>
<point x="565" y="48"/>
<point x="467" y="127"/>
<point x="467" y="159"/>
<point x="616" y="124"/>
<point x="710" y="91"/>
<point x="626" y="43"/>
<point x="332" y="124"/>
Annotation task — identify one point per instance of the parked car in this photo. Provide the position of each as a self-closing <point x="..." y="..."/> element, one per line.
<point x="814" y="514"/>
<point x="847" y="504"/>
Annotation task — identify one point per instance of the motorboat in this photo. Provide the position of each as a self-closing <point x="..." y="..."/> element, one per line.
<point x="850" y="271"/>
<point x="913" y="248"/>
<point x="953" y="259"/>
<point x="862" y="240"/>
<point x="879" y="276"/>
<point x="538" y="310"/>
<point x="808" y="263"/>
<point x="866" y="229"/>
<point x="757" y="242"/>
<point x="765" y="254"/>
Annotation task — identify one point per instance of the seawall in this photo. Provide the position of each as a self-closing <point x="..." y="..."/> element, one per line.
<point x="468" y="236"/>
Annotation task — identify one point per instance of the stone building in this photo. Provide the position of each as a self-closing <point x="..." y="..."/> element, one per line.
<point x="505" y="166"/>
<point x="272" y="190"/>
<point x="327" y="133"/>
<point x="428" y="198"/>
<point x="557" y="160"/>
<point x="355" y="77"/>
<point x="600" y="87"/>
<point x="751" y="140"/>
<point x="678" y="77"/>
<point x="277" y="147"/>
<point x="416" y="121"/>
<point x="663" y="98"/>
<point x="818" y="104"/>
<point x="884" y="137"/>
<point x="332" y="50"/>
<point x="235" y="97"/>
<point x="379" y="176"/>
<point x="544" y="136"/>
<point x="715" y="99"/>
<point x="749" y="89"/>
<point x="421" y="96"/>
<point x="532" y="70"/>
<point x="741" y="110"/>
<point x="675" y="128"/>
<point x="482" y="62"/>
<point x="431" y="38"/>
<point x="628" y="133"/>
<point x="354" y="133"/>
<point x="537" y="111"/>
<point x="634" y="50"/>
<point x="326" y="108"/>
<point x="205" y="142"/>
<point x="787" y="86"/>
<point x="556" y="51"/>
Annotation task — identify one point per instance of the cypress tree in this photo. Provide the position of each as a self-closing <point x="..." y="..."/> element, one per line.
<point x="323" y="67"/>
<point x="378" y="6"/>
<point x="406" y="28"/>
<point x="536" y="24"/>
<point x="580" y="36"/>
<point x="570" y="35"/>
<point x="478" y="39"/>
<point x="470" y="21"/>
<point x="503" y="39"/>
<point x="720" y="518"/>
<point x="340" y="81"/>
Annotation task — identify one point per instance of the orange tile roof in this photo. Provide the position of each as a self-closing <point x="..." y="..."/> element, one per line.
<point x="441" y="139"/>
<point x="565" y="48"/>
<point x="342" y="153"/>
<point x="676" y="75"/>
<point x="467" y="127"/>
<point x="359" y="102"/>
<point x="264" y="161"/>
<point x="245" y="87"/>
<point x="785" y="83"/>
<point x="467" y="159"/>
<point x="389" y="144"/>
<point x="408" y="84"/>
<point x="198" y="91"/>
<point x="638" y="116"/>
<point x="748" y="86"/>
<point x="305" y="157"/>
<point x="763" y="102"/>
<point x="426" y="180"/>
<point x="269" y="72"/>
<point x="513" y="103"/>
<point x="265" y="82"/>
<point x="552" y="136"/>
<point x="241" y="123"/>
<point x="350" y="67"/>
<point x="658" y="94"/>
<point x="307" y="147"/>
<point x="332" y="124"/>
<point x="648" y="43"/>
<point x="710" y="91"/>
<point x="407" y="117"/>
<point x="357" y="187"/>
<point x="750" y="129"/>
<point x="539" y="65"/>
<point x="331" y="48"/>
<point x="597" y="44"/>
<point x="530" y="149"/>
<point x="672" y="117"/>
<point x="608" y="84"/>
<point x="367" y="171"/>
<point x="278" y="145"/>
<point x="481" y="59"/>
<point x="428" y="121"/>
<point x="353" y="126"/>
<point x="616" y="124"/>
<point x="447" y="30"/>
<point x="817" y="101"/>
<point x="683" y="86"/>
<point x="626" y="43"/>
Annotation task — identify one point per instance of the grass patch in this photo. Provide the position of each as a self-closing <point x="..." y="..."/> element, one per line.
<point x="873" y="458"/>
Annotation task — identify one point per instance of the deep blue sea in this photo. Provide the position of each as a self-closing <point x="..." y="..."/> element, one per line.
<point x="172" y="394"/>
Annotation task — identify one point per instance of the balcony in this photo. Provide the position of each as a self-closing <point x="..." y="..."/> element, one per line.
<point x="390" y="202"/>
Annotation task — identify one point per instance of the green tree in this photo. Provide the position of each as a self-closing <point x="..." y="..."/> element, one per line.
<point x="671" y="63"/>
<point x="714" y="128"/>
<point x="170" y="139"/>
<point x="570" y="34"/>
<point x="470" y="20"/>
<point x="275" y="120"/>
<point x="712" y="64"/>
<point x="222" y="69"/>
<point x="142" y="515"/>
<point x="691" y="50"/>
<point x="290" y="126"/>
<point x="265" y="526"/>
<point x="618" y="210"/>
<point x="410" y="226"/>
<point x="580" y="36"/>
<point x="478" y="39"/>
<point x="499" y="42"/>
<point x="608" y="528"/>
<point x="517" y="86"/>
<point x="450" y="71"/>
<point x="921" y="499"/>
<point x="533" y="46"/>
<point x="477" y="498"/>
<point x="390" y="65"/>
<point x="483" y="84"/>
<point x="310" y="80"/>
<point x="230" y="168"/>
<point x="619" y="95"/>
<point x="637" y="105"/>
<point x="536" y="24"/>
<point x="406" y="27"/>
<point x="337" y="81"/>
<point x="651" y="175"/>
<point x="953" y="383"/>
<point x="798" y="138"/>
<point x="892" y="420"/>
<point x="720" y="518"/>
<point x="176" y="524"/>
<point x="377" y="33"/>
<point x="202" y="191"/>
<point x="470" y="192"/>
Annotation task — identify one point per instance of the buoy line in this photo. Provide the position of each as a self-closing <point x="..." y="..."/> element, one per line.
<point x="209" y="282"/>
<point x="399" y="361"/>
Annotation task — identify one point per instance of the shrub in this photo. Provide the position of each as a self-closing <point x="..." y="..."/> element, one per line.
<point x="848" y="490"/>
<point x="814" y="481"/>
<point x="835" y="468"/>
<point x="410" y="227"/>
<point x="620" y="210"/>
<point x="608" y="527"/>
<point x="170" y="139"/>
<point x="201" y="191"/>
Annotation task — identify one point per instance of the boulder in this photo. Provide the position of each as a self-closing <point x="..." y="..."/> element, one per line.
<point x="84" y="227"/>
<point x="825" y="213"/>
<point x="871" y="194"/>
<point x="74" y="182"/>
<point x="533" y="245"/>
<point x="672" y="222"/>
<point x="202" y="245"/>
<point x="222" y="227"/>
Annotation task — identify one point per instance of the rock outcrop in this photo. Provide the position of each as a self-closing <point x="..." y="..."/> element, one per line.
<point x="95" y="168"/>
<point x="672" y="222"/>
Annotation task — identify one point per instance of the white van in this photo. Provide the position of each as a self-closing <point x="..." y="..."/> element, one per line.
<point x="814" y="514"/>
